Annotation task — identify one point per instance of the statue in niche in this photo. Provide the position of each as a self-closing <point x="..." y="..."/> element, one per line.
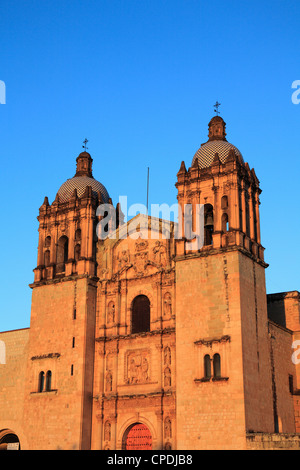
<point x="111" y="312"/>
<point x="167" y="377"/>
<point x="160" y="256"/>
<point x="107" y="431"/>
<point x="168" y="428"/>
<point x="108" y="382"/>
<point x="167" y="305"/>
<point x="167" y="356"/>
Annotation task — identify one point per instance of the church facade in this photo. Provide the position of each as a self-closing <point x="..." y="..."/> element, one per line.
<point x="141" y="339"/>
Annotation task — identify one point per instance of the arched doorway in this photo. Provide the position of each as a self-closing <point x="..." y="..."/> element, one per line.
<point x="9" y="440"/>
<point x="137" y="437"/>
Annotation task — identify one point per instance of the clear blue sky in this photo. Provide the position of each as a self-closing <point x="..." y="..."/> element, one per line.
<point x="139" y="79"/>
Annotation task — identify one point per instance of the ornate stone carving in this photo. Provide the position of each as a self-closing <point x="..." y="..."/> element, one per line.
<point x="141" y="245"/>
<point x="111" y="312"/>
<point x="137" y="367"/>
<point x="123" y="259"/>
<point x="168" y="428"/>
<point x="167" y="377"/>
<point x="108" y="382"/>
<point x="167" y="356"/>
<point x="167" y="307"/>
<point x="160" y="254"/>
<point x="141" y="260"/>
<point x="107" y="431"/>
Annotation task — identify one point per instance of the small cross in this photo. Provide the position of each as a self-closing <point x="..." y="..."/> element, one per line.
<point x="85" y="142"/>
<point x="217" y="107"/>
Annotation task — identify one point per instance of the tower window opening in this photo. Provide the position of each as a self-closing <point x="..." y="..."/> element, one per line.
<point x="41" y="381"/>
<point x="48" y="380"/>
<point x="207" y="366"/>
<point x="208" y="224"/>
<point x="225" y="222"/>
<point x="224" y="202"/>
<point x="62" y="253"/>
<point x="217" y="365"/>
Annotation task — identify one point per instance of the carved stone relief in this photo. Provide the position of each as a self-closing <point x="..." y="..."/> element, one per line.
<point x="140" y="262"/>
<point x="137" y="367"/>
<point x="123" y="259"/>
<point x="160" y="254"/>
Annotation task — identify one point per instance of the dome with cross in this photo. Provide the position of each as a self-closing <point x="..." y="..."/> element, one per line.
<point x="217" y="143"/>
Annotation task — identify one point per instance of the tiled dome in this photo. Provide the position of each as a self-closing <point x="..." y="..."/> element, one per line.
<point x="80" y="183"/>
<point x="207" y="151"/>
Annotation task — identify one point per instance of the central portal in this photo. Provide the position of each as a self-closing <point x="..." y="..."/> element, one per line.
<point x="137" y="437"/>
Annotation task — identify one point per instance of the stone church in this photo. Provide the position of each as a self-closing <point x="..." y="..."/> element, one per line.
<point x="139" y="341"/>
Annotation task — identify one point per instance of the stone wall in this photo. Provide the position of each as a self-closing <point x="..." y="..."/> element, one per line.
<point x="270" y="441"/>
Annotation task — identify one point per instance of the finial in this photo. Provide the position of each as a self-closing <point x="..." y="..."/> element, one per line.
<point x="85" y="142"/>
<point x="216" y="106"/>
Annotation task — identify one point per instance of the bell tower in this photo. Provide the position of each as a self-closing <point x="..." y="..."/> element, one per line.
<point x="63" y="314"/>
<point x="221" y="311"/>
<point x="220" y="180"/>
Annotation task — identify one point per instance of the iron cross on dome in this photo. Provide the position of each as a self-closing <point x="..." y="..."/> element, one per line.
<point x="84" y="146"/>
<point x="216" y="106"/>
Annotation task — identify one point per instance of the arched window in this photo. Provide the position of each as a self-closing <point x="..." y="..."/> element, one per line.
<point x="217" y="365"/>
<point x="47" y="251"/>
<point x="48" y="380"/>
<point x="208" y="224"/>
<point x="62" y="253"/>
<point x="41" y="381"/>
<point x="48" y="242"/>
<point x="225" y="223"/>
<point x="207" y="366"/>
<point x="140" y="314"/>
<point x="224" y="202"/>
